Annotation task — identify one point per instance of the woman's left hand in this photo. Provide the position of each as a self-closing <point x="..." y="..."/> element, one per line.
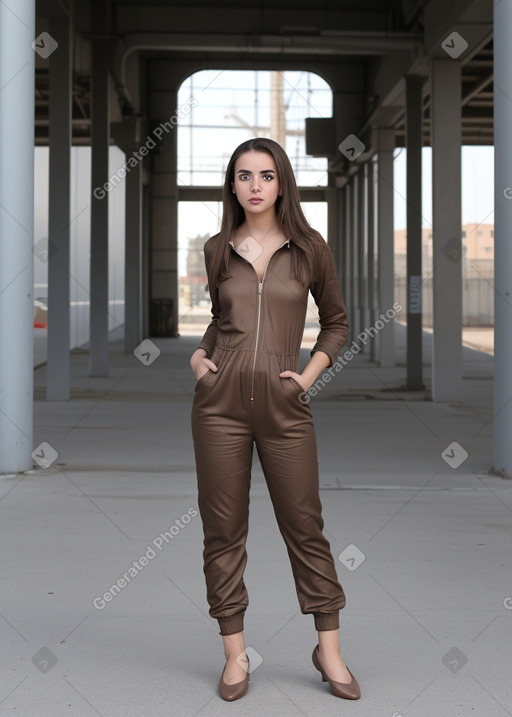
<point x="296" y="377"/>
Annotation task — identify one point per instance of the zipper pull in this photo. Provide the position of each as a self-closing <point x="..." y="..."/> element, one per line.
<point x="260" y="287"/>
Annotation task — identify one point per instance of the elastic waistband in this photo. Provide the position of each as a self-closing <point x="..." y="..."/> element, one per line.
<point x="261" y="352"/>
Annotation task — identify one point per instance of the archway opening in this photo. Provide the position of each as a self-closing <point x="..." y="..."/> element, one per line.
<point x="229" y="107"/>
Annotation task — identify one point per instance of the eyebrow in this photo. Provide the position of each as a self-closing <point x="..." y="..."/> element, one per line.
<point x="263" y="171"/>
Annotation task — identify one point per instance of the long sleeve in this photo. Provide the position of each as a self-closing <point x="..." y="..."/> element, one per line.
<point x="210" y="335"/>
<point x="331" y="308"/>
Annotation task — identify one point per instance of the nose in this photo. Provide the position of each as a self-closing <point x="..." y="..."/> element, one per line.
<point x="255" y="185"/>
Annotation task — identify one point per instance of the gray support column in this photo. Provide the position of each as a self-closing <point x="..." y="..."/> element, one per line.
<point x="354" y="248"/>
<point x="414" y="142"/>
<point x="502" y="239"/>
<point x="332" y="223"/>
<point x="100" y="134"/>
<point x="347" y="272"/>
<point x="372" y="262"/>
<point x="339" y="104"/>
<point x="133" y="261"/>
<point x="147" y="203"/>
<point x="445" y="112"/>
<point x="127" y="137"/>
<point x="164" y="207"/>
<point x="385" y="148"/>
<point x="362" y="249"/>
<point x="340" y="237"/>
<point x="59" y="219"/>
<point x="17" y="32"/>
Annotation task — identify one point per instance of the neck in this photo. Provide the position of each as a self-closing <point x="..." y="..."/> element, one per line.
<point x="261" y="224"/>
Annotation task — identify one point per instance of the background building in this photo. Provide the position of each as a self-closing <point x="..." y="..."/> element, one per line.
<point x="477" y="273"/>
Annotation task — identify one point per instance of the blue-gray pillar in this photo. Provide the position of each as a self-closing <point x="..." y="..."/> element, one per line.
<point x="348" y="280"/>
<point x="17" y="32"/>
<point x="340" y="237"/>
<point x="372" y="257"/>
<point x="362" y="248"/>
<point x="59" y="218"/>
<point x="164" y="206"/>
<point x="354" y="254"/>
<point x="445" y="112"/>
<point x="502" y="239"/>
<point x="100" y="136"/>
<point x="385" y="149"/>
<point x="133" y="260"/>
<point x="332" y="222"/>
<point x="414" y="143"/>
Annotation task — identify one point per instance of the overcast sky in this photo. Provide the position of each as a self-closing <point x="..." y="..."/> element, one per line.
<point x="477" y="186"/>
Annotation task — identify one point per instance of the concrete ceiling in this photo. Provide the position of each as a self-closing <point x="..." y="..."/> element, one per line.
<point x="379" y="41"/>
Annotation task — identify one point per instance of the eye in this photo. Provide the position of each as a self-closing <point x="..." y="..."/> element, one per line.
<point x="268" y="177"/>
<point x="243" y="177"/>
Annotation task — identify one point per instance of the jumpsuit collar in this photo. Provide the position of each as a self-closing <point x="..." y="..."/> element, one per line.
<point x="287" y="242"/>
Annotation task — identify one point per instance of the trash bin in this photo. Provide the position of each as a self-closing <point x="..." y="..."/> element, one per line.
<point x="162" y="317"/>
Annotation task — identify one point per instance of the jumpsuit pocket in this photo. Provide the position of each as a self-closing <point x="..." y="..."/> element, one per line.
<point x="284" y="363"/>
<point x="199" y="380"/>
<point x="296" y="384"/>
<point x="206" y="378"/>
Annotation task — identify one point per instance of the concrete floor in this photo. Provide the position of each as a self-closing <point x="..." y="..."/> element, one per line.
<point x="424" y="546"/>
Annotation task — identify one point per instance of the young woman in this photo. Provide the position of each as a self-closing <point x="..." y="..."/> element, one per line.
<point x="260" y="269"/>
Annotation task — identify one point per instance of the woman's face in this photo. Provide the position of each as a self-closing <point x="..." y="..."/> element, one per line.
<point x="256" y="183"/>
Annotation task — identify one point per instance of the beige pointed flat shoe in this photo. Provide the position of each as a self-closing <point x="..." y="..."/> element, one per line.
<point x="230" y="693"/>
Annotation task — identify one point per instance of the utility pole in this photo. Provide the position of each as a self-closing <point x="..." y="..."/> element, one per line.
<point x="277" y="109"/>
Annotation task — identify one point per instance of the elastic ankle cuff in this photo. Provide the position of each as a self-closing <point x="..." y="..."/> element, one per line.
<point x="232" y="624"/>
<point x="327" y="621"/>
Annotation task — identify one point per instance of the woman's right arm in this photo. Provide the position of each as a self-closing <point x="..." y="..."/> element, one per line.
<point x="200" y="364"/>
<point x="199" y="360"/>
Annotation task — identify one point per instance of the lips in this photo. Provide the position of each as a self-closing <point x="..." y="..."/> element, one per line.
<point x="255" y="200"/>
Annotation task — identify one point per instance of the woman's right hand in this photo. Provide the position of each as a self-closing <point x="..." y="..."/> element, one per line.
<point x="200" y="364"/>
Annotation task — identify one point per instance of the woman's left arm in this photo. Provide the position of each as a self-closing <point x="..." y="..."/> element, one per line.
<point x="332" y="313"/>
<point x="315" y="365"/>
<point x="332" y="317"/>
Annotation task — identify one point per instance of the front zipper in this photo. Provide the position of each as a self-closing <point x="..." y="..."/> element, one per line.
<point x="260" y="289"/>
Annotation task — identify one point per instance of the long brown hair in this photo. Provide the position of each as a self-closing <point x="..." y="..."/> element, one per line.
<point x="289" y="214"/>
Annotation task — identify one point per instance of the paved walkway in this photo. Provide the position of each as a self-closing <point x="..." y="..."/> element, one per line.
<point x="423" y="544"/>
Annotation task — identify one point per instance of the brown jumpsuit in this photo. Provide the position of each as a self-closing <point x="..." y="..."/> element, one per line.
<point x="255" y="333"/>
